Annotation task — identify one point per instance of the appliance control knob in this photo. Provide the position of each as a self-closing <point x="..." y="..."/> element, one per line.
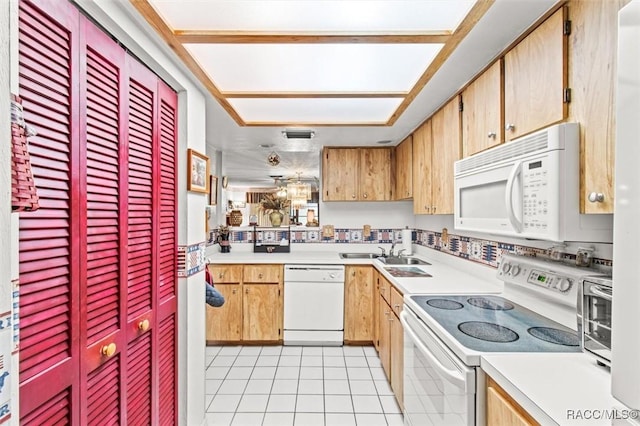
<point x="515" y="270"/>
<point x="563" y="284"/>
<point x="506" y="267"/>
<point x="332" y="276"/>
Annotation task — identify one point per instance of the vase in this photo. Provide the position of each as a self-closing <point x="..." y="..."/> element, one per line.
<point x="235" y="218"/>
<point x="276" y="218"/>
<point x="223" y="240"/>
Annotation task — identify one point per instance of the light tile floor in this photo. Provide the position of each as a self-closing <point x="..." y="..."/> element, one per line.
<point x="298" y="385"/>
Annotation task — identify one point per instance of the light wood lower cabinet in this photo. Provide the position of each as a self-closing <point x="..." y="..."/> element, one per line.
<point x="391" y="336"/>
<point x="384" y="337"/>
<point x="253" y="308"/>
<point x="358" y="304"/>
<point x="502" y="410"/>
<point x="260" y="312"/>
<point x="225" y="323"/>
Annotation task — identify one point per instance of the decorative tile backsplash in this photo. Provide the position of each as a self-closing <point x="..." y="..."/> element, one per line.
<point x="483" y="251"/>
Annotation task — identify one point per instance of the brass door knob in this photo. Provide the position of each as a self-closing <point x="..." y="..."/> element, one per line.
<point x="143" y="325"/>
<point x="108" y="350"/>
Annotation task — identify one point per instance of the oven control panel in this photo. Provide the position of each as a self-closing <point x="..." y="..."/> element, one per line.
<point x="549" y="280"/>
<point x="524" y="273"/>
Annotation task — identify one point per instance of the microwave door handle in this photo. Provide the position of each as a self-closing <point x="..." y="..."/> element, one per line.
<point x="515" y="171"/>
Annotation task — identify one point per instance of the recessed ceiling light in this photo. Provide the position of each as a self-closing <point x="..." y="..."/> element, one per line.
<point x="266" y="145"/>
<point x="384" y="142"/>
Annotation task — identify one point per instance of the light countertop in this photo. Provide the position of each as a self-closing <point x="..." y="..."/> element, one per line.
<point x="445" y="277"/>
<point x="556" y="389"/>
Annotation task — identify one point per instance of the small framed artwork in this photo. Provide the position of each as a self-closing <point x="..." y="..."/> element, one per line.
<point x="198" y="169"/>
<point x="213" y="190"/>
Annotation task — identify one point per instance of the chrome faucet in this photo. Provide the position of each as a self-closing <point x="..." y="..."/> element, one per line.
<point x="384" y="253"/>
<point x="393" y="246"/>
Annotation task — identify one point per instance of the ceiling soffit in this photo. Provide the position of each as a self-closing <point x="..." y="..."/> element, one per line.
<point x="321" y="63"/>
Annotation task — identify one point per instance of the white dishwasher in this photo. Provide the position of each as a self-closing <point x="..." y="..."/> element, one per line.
<point x="313" y="304"/>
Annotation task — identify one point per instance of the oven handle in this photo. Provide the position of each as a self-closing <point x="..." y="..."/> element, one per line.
<point x="457" y="379"/>
<point x="515" y="171"/>
<point x="600" y="291"/>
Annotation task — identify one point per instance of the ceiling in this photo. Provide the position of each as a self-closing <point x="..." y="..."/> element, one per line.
<point x="354" y="71"/>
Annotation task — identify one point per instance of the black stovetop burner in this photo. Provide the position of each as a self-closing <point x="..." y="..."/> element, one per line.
<point x="494" y="324"/>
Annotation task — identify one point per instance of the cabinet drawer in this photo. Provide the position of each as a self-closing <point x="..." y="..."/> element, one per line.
<point x="385" y="288"/>
<point x="396" y="301"/>
<point x="262" y="273"/>
<point x="226" y="273"/>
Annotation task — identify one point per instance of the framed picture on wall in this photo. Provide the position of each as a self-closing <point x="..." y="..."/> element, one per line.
<point x="213" y="190"/>
<point x="198" y="170"/>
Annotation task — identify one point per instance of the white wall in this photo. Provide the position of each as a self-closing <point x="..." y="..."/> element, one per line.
<point x="378" y="214"/>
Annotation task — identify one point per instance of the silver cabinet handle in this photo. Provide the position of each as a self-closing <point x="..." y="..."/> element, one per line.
<point x="510" y="127"/>
<point x="491" y="135"/>
<point x="596" y="197"/>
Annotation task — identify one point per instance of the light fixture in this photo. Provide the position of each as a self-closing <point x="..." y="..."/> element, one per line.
<point x="299" y="192"/>
<point x="282" y="190"/>
<point x="273" y="159"/>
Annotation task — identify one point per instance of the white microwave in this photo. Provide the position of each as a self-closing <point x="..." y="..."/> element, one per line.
<point x="528" y="188"/>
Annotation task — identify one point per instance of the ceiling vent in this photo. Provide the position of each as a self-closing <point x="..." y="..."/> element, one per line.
<point x="298" y="134"/>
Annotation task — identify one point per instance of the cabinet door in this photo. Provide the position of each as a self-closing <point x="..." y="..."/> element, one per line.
<point x="535" y="77"/>
<point x="384" y="344"/>
<point x="502" y="410"/>
<point x="358" y="303"/>
<point x="445" y="151"/>
<point x="262" y="273"/>
<point x="422" y="140"/>
<point x="261" y="312"/>
<point x="482" y="114"/>
<point x="397" y="358"/>
<point x="375" y="174"/>
<point x="228" y="274"/>
<point x="404" y="170"/>
<point x="594" y="35"/>
<point x="340" y="174"/>
<point x="224" y="324"/>
<point x="376" y="310"/>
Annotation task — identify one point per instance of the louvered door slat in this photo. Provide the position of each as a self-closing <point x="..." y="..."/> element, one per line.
<point x="167" y="372"/>
<point x="140" y="218"/>
<point x="139" y="381"/>
<point x="103" y="278"/>
<point x="103" y="400"/>
<point x="54" y="411"/>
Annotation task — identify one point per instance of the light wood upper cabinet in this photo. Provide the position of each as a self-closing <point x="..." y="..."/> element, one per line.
<point x="404" y="169"/>
<point x="356" y="174"/>
<point x="535" y="79"/>
<point x="482" y="112"/>
<point x="592" y="70"/>
<point x="445" y="151"/>
<point x="340" y="174"/>
<point x="358" y="303"/>
<point x="375" y="174"/>
<point x="422" y="169"/>
<point x="502" y="410"/>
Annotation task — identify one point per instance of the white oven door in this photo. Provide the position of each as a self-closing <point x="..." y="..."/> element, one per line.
<point x="438" y="388"/>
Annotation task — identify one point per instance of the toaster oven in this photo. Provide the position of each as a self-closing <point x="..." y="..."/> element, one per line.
<point x="594" y="317"/>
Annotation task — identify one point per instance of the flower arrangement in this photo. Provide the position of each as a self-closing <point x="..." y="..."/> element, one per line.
<point x="272" y="203"/>
<point x="223" y="230"/>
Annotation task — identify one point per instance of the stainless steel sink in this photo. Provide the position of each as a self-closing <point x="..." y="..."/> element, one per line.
<point x="403" y="260"/>
<point x="358" y="255"/>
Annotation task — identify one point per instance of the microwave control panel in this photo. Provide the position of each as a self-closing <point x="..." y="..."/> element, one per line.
<point x="535" y="195"/>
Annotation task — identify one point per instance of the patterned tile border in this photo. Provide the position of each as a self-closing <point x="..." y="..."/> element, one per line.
<point x="191" y="259"/>
<point x="483" y="251"/>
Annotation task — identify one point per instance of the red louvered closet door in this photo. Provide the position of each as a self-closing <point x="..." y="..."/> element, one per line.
<point x="98" y="260"/>
<point x="49" y="259"/>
